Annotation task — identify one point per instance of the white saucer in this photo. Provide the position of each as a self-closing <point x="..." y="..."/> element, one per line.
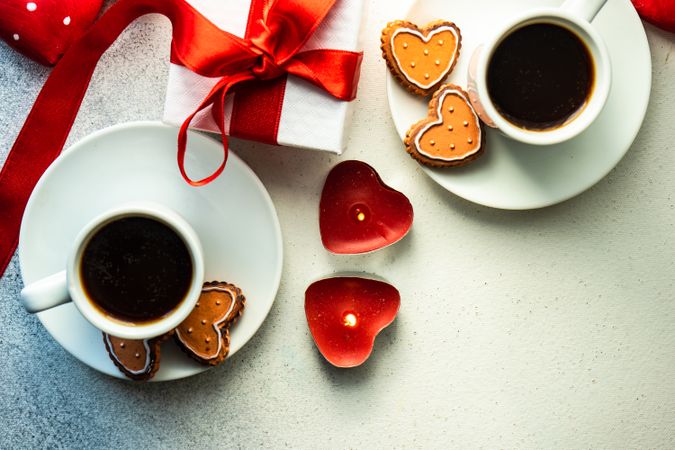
<point x="233" y="216"/>
<point x="511" y="175"/>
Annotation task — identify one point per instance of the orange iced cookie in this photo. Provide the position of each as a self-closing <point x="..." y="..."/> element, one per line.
<point x="421" y="58"/>
<point x="205" y="334"/>
<point x="450" y="135"/>
<point x="138" y="359"/>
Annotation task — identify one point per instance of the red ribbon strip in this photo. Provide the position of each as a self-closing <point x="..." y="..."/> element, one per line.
<point x="271" y="50"/>
<point x="260" y="99"/>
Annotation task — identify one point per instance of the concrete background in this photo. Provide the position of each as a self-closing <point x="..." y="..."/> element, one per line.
<point x="544" y="329"/>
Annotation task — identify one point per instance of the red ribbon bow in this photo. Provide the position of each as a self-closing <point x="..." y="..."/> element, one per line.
<point x="277" y="31"/>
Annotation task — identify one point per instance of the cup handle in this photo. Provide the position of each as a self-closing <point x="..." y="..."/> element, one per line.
<point x="583" y="9"/>
<point x="45" y="293"/>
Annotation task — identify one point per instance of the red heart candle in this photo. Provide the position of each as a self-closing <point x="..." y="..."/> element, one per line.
<point x="659" y="12"/>
<point x="44" y="29"/>
<point x="358" y="213"/>
<point x="345" y="314"/>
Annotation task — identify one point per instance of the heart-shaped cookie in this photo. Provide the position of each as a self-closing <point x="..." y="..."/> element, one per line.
<point x="358" y="213"/>
<point x="205" y="334"/>
<point x="44" y="29"/>
<point x="451" y="135"/>
<point x="421" y="58"/>
<point x="345" y="314"/>
<point x="138" y="359"/>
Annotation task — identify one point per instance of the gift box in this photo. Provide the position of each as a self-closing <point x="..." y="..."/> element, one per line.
<point x="304" y="116"/>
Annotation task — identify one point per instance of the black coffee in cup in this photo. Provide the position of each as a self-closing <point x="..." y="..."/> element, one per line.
<point x="136" y="269"/>
<point x="540" y="76"/>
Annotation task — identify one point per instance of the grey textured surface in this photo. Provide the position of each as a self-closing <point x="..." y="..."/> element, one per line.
<point x="551" y="328"/>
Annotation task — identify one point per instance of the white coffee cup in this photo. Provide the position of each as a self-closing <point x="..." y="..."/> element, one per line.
<point x="574" y="15"/>
<point x="67" y="285"/>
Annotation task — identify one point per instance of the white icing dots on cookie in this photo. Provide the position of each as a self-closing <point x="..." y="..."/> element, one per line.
<point x="15" y="36"/>
<point x="203" y="328"/>
<point x="454" y="127"/>
<point x="440" y="42"/>
<point x="31" y="6"/>
<point x="407" y="47"/>
<point x="66" y="20"/>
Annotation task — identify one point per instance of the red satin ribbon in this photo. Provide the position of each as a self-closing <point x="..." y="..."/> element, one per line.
<point x="271" y="50"/>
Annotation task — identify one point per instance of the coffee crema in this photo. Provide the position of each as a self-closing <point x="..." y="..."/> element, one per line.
<point x="136" y="269"/>
<point x="540" y="76"/>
